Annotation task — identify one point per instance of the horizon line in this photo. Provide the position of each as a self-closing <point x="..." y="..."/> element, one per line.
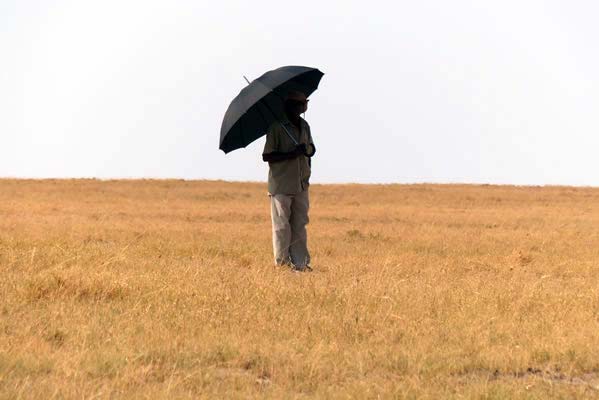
<point x="388" y="183"/>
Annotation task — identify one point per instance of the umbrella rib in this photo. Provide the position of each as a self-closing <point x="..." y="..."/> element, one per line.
<point x="260" y="111"/>
<point x="258" y="108"/>
<point x="241" y="123"/>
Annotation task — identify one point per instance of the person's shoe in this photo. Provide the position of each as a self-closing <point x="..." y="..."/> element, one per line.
<point x="304" y="268"/>
<point x="284" y="264"/>
<point x="289" y="266"/>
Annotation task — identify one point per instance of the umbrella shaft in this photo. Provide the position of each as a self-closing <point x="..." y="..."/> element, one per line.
<point x="289" y="134"/>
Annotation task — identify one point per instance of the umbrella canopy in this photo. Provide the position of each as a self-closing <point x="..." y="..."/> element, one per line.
<point x="260" y="104"/>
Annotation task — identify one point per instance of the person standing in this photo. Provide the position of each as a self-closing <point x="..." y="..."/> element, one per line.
<point x="288" y="183"/>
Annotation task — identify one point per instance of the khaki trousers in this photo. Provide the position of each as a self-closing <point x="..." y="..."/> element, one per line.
<point x="289" y="219"/>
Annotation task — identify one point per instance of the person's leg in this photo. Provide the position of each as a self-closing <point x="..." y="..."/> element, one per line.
<point x="280" y="207"/>
<point x="299" y="238"/>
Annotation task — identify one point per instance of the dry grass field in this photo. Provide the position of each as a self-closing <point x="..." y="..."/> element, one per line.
<point x="166" y="289"/>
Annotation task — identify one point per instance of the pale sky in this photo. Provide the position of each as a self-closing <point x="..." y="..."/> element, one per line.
<point x="501" y="92"/>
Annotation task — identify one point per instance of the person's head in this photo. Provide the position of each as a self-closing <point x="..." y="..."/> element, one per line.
<point x="295" y="103"/>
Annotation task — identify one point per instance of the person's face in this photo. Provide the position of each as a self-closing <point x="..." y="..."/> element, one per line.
<point x="295" y="107"/>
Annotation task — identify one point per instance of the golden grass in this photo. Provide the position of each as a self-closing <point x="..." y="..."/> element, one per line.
<point x="166" y="289"/>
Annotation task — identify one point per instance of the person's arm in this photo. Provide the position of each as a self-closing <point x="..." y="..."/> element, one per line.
<point x="277" y="156"/>
<point x="311" y="149"/>
<point x="271" y="146"/>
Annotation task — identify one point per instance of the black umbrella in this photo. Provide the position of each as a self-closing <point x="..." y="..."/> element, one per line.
<point x="260" y="104"/>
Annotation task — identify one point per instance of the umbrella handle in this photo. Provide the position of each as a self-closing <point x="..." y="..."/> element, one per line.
<point x="284" y="127"/>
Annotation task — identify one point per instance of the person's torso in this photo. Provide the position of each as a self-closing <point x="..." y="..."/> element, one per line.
<point x="290" y="176"/>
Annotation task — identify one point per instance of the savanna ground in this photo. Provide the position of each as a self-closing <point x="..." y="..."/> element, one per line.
<point x="166" y="289"/>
